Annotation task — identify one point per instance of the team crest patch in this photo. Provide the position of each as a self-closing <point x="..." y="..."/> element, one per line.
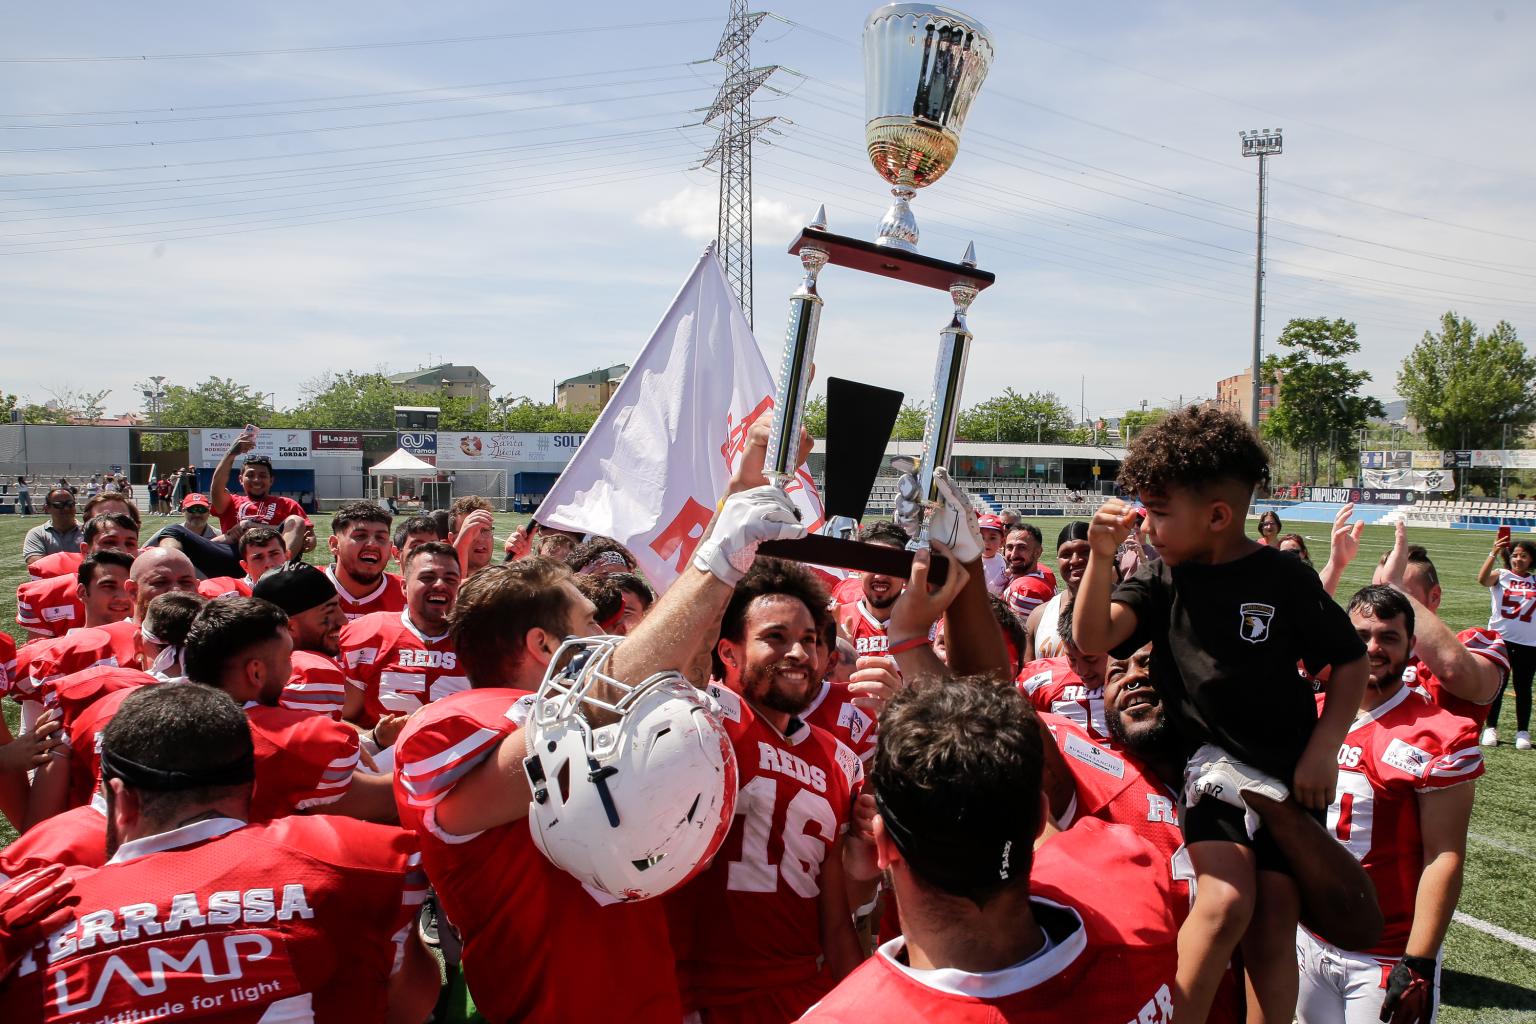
<point x="1255" y="619"/>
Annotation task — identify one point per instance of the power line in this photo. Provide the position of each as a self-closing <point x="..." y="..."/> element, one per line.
<point x="338" y="48"/>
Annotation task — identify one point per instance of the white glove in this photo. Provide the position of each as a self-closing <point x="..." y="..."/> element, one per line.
<point x="746" y="520"/>
<point x="953" y="522"/>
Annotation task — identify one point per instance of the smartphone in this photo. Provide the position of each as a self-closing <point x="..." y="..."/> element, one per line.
<point x="1504" y="555"/>
<point x="1503" y="533"/>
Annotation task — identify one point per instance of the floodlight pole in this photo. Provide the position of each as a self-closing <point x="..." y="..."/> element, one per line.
<point x="1262" y="143"/>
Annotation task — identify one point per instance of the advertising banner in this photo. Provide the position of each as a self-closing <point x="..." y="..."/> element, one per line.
<point x="1424" y="480"/>
<point x="1362" y="495"/>
<point x="274" y="444"/>
<point x="420" y="443"/>
<point x="1429" y="460"/>
<point x="490" y="450"/>
<point x="335" y="443"/>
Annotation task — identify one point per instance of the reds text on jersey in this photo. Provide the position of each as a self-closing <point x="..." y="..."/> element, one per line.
<point x="224" y="921"/>
<point x="398" y="668"/>
<point x="526" y="912"/>
<point x="859" y="625"/>
<point x="1051" y="685"/>
<point x="748" y="923"/>
<point x="272" y="510"/>
<point x="1404" y="748"/>
<point x="1098" y="891"/>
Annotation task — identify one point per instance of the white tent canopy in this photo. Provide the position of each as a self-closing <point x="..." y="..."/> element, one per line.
<point x="403" y="463"/>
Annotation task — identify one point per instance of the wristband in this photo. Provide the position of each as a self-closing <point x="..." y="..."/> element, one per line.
<point x="908" y="645"/>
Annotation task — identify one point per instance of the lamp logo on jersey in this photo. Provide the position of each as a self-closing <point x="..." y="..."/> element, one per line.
<point x="1255" y="619"/>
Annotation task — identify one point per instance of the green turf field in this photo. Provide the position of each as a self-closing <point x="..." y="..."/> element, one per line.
<point x="1487" y="978"/>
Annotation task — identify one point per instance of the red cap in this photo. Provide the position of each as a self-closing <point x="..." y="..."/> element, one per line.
<point x="195" y="499"/>
<point x="987" y="522"/>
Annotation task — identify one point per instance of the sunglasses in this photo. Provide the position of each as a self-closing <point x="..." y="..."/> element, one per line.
<point x="61" y="504"/>
<point x="197" y="510"/>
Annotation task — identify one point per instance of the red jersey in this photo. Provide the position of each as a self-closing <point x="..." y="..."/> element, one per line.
<point x="76" y="838"/>
<point x="222" y="921"/>
<point x="49" y="607"/>
<point x="302" y="761"/>
<point x="396" y="665"/>
<point x="270" y="511"/>
<point x="538" y="946"/>
<point x="60" y="563"/>
<point x="1051" y="685"/>
<point x="848" y="591"/>
<point x="1096" y="891"/>
<point x="749" y="922"/>
<point x="388" y="596"/>
<point x="80" y="649"/>
<point x="1404" y="748"/>
<point x="8" y="669"/>
<point x="318" y="685"/>
<point x="1484" y="643"/>
<point x="833" y="709"/>
<point x="88" y="700"/>
<point x="860" y="627"/>
<point x="220" y="586"/>
<point x="1028" y="592"/>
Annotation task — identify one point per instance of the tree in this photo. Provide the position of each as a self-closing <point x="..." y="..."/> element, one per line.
<point x="1011" y="416"/>
<point x="816" y="415"/>
<point x="1136" y="420"/>
<point x="8" y="404"/>
<point x="361" y="401"/>
<point x="1466" y="388"/>
<point x="1319" y="400"/>
<point x="216" y="402"/>
<point x="911" y="420"/>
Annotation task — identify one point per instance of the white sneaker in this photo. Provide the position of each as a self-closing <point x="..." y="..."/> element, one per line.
<point x="1522" y="740"/>
<point x="1490" y="737"/>
<point x="1214" y="773"/>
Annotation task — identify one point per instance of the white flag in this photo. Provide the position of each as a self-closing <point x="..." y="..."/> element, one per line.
<point x="661" y="454"/>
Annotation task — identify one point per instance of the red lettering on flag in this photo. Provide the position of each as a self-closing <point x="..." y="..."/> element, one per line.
<point x="683" y="534"/>
<point x="736" y="431"/>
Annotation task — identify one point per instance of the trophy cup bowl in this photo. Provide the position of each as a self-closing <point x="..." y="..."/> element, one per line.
<point x="923" y="66"/>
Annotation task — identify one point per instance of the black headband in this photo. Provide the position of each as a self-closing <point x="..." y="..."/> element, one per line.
<point x="953" y="856"/>
<point x="140" y="776"/>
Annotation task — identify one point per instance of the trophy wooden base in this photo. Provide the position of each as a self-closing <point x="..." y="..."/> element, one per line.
<point x="859" y="254"/>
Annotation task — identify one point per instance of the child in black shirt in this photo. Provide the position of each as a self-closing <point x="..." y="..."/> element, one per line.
<point x="1229" y="619"/>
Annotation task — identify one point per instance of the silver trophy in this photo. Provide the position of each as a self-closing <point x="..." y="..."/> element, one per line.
<point x="794" y="383"/>
<point x="923" y="65"/>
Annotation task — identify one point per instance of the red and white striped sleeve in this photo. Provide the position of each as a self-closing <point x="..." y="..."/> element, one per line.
<point x="439" y="746"/>
<point x="1485" y="643"/>
<point x="318" y="685"/>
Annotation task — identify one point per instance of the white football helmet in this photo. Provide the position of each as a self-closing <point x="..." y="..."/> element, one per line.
<point x="634" y="807"/>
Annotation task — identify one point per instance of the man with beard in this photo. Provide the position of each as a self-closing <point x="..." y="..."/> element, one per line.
<point x="397" y="662"/>
<point x="1135" y="779"/>
<point x="1043" y="624"/>
<point x="765" y="930"/>
<point x="864" y="621"/>
<point x="1030" y="584"/>
<point x="360" y="546"/>
<point x="1071" y="685"/>
<point x="305" y="594"/>
<point x="258" y="502"/>
<point x="1406" y="784"/>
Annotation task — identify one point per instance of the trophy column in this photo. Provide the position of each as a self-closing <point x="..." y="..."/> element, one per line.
<point x="944" y="404"/>
<point x="795" y="368"/>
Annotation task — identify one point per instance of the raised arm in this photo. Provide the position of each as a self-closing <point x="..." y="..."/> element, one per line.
<point x="1488" y="575"/>
<point x="1459" y="670"/>
<point x="218" y="494"/>
<point x="1343" y="546"/>
<point x="1098" y="624"/>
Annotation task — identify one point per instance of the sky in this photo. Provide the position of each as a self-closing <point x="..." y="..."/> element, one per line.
<point x="272" y="191"/>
